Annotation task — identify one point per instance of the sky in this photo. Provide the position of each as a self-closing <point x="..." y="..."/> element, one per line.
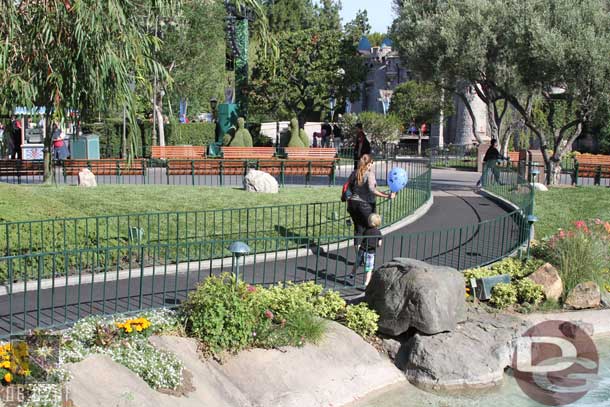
<point x="379" y="11"/>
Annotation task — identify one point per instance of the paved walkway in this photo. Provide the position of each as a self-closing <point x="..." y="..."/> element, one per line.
<point x="455" y="205"/>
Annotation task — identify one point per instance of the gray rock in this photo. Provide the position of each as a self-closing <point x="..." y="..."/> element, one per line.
<point x="410" y="293"/>
<point x="474" y="355"/>
<point x="551" y="282"/>
<point x="540" y="187"/>
<point x="605" y="299"/>
<point x="259" y="181"/>
<point x="86" y="178"/>
<point x="391" y="346"/>
<point x="569" y="329"/>
<point x="584" y="295"/>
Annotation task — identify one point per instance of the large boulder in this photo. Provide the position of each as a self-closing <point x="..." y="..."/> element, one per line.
<point x="408" y="293"/>
<point x="540" y="187"/>
<point x="259" y="181"/>
<point x="86" y="178"/>
<point x="473" y="355"/>
<point x="548" y="277"/>
<point x="584" y="295"/>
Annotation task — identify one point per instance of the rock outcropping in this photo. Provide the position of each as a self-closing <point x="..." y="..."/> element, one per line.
<point x="473" y="355"/>
<point x="548" y="277"/>
<point x="408" y="293"/>
<point x="583" y="296"/>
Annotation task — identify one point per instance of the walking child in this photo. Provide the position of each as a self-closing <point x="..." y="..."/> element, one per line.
<point x="368" y="247"/>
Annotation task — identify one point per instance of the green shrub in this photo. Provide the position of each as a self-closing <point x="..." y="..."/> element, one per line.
<point x="477" y="273"/>
<point x="304" y="138"/>
<point x="218" y="315"/>
<point x="242" y="135"/>
<point x="196" y="134"/>
<point x="529" y="292"/>
<point x="503" y="295"/>
<point x="361" y="319"/>
<point x="511" y="266"/>
<point x="329" y="305"/>
<point x="295" y="139"/>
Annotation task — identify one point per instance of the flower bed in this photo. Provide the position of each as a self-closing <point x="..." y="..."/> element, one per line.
<point x="225" y="314"/>
<point x="580" y="253"/>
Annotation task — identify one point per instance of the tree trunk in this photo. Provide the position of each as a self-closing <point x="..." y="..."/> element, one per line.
<point x="48" y="141"/>
<point x="160" y="121"/>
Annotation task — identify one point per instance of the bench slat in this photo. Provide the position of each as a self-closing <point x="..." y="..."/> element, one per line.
<point x="177" y="152"/>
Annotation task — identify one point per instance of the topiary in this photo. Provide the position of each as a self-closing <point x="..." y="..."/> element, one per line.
<point x="295" y="140"/>
<point x="304" y="138"/>
<point x="242" y="135"/>
<point x="503" y="295"/>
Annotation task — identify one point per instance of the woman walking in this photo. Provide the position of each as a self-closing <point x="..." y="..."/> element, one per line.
<point x="362" y="202"/>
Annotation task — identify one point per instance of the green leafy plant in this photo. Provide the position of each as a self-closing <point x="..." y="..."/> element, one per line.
<point x="361" y="319"/>
<point x="218" y="315"/>
<point x="503" y="295"/>
<point x="529" y="292"/>
<point x="581" y="253"/>
<point x="329" y="305"/>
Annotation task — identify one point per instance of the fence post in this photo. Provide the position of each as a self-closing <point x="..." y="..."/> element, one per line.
<point x="575" y="173"/>
<point x="598" y="175"/>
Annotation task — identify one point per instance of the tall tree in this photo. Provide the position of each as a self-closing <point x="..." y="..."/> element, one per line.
<point x="553" y="59"/>
<point x="79" y="54"/>
<point x="313" y="66"/>
<point x="358" y="27"/>
<point x="327" y="15"/>
<point x="289" y="15"/>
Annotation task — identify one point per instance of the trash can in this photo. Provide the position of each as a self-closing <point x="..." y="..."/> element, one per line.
<point x="86" y="147"/>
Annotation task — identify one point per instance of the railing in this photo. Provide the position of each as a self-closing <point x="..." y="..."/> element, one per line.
<point x="55" y="287"/>
<point x="211" y="172"/>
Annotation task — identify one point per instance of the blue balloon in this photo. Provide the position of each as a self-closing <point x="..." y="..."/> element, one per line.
<point x="397" y="179"/>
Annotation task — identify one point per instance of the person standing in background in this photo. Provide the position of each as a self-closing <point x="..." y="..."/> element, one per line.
<point x="362" y="146"/>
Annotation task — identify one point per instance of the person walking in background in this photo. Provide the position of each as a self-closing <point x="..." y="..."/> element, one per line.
<point x="327" y="133"/>
<point x="15" y="135"/>
<point x="490" y="162"/>
<point x="362" y="146"/>
<point x="368" y="247"/>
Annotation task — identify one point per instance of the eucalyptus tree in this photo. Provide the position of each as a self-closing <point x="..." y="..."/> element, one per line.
<point x="78" y="54"/>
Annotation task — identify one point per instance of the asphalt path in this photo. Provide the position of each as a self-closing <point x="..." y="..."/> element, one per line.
<point x="455" y="204"/>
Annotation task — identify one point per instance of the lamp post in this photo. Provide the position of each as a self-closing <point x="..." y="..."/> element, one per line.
<point x="333" y="103"/>
<point x="213" y="106"/>
<point x="531" y="219"/>
<point x="238" y="249"/>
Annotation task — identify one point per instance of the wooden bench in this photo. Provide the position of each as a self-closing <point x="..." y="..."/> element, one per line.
<point x="311" y="154"/>
<point x="218" y="167"/>
<point x="116" y="167"/>
<point x="248" y="153"/>
<point x="21" y="168"/>
<point x="592" y="166"/>
<point x="178" y="152"/>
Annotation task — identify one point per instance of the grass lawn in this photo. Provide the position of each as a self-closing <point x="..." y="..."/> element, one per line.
<point x="19" y="203"/>
<point x="560" y="207"/>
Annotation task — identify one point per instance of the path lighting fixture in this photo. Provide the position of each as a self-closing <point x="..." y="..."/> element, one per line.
<point x="213" y="104"/>
<point x="238" y="249"/>
<point x="534" y="174"/>
<point x="531" y="219"/>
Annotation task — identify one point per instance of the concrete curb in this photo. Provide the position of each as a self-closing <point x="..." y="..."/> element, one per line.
<point x="88" y="278"/>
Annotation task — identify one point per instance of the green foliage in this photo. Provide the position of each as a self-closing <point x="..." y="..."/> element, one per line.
<point x="358" y="27"/>
<point x="304" y="138"/>
<point x="581" y="254"/>
<point x="378" y="128"/>
<point x="376" y="38"/>
<point x="477" y="273"/>
<point x="289" y="15"/>
<point x="313" y="65"/>
<point x="196" y="134"/>
<point x="513" y="267"/>
<point x="529" y="292"/>
<point x="295" y="139"/>
<point x="195" y="49"/>
<point x="361" y="319"/>
<point x="503" y="295"/>
<point x="242" y="135"/>
<point x="218" y="315"/>
<point x="420" y="102"/>
<point x="229" y="316"/>
<point x="329" y="305"/>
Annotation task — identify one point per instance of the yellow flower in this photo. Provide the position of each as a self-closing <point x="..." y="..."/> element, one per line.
<point x="6" y="364"/>
<point x="8" y="377"/>
<point x="139" y="328"/>
<point x="128" y="329"/>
